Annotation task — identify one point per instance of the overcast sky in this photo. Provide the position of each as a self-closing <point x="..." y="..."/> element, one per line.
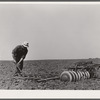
<point x="54" y="31"/>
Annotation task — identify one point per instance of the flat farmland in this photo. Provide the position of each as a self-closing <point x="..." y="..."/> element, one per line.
<point x="42" y="69"/>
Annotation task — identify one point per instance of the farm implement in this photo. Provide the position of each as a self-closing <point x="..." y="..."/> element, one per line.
<point x="66" y="76"/>
<point x="80" y="71"/>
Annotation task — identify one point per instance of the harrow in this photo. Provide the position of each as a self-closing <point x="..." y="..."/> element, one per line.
<point x="69" y="76"/>
<point x="66" y="76"/>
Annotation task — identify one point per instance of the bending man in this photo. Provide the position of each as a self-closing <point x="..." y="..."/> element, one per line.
<point x="19" y="54"/>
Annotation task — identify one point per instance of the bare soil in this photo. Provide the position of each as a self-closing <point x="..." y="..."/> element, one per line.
<point x="43" y="69"/>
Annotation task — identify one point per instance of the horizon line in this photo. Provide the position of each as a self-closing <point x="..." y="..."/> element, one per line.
<point x="53" y="59"/>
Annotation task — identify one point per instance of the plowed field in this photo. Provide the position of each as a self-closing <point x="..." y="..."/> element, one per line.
<point x="42" y="69"/>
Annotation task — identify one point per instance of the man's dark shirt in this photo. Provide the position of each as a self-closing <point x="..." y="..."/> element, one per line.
<point x="19" y="52"/>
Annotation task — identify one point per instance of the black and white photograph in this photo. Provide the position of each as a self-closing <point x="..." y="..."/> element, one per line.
<point x="49" y="46"/>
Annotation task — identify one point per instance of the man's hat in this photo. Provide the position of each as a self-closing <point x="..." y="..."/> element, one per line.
<point x="25" y="44"/>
